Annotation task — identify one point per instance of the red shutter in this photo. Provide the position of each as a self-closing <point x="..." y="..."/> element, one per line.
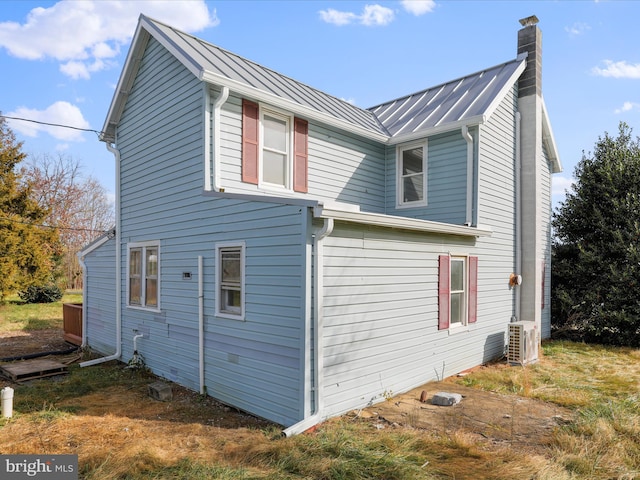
<point x="473" y="289"/>
<point x="444" y="287"/>
<point x="301" y="155"/>
<point x="250" y="129"/>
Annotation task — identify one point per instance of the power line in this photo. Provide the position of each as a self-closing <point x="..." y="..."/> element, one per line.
<point x="53" y="124"/>
<point x="94" y="230"/>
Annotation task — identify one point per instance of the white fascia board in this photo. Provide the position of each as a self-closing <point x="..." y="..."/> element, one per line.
<point x="447" y="127"/>
<point x="294" y="107"/>
<point x="101" y="240"/>
<point x="127" y="76"/>
<point x="497" y="100"/>
<point x="391" y="221"/>
<point x="549" y="139"/>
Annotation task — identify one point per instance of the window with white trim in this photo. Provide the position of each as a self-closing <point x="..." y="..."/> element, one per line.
<point x="457" y="291"/>
<point x="230" y="275"/>
<point x="275" y="148"/>
<point x="412" y="175"/>
<point x="143" y="281"/>
<point x="275" y="158"/>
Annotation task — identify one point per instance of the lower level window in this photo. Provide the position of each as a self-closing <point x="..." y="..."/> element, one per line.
<point x="143" y="267"/>
<point x="457" y="290"/>
<point x="230" y="280"/>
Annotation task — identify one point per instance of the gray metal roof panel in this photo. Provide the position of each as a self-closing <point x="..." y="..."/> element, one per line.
<point x="215" y="60"/>
<point x="462" y="99"/>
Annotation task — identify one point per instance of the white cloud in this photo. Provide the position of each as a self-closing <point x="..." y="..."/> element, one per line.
<point x="372" y="15"/>
<point x="418" y="7"/>
<point x="60" y="113"/>
<point x="577" y="28"/>
<point x="336" y="17"/>
<point x="88" y="33"/>
<point x="560" y="185"/>
<point x="627" y="107"/>
<point x="620" y="69"/>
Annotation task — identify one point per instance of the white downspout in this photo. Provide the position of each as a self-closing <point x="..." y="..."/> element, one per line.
<point x="118" y="352"/>
<point x="201" y="324"/>
<point x="467" y="136"/>
<point x="318" y="318"/>
<point x="84" y="303"/>
<point x="222" y="98"/>
<point x="518" y="219"/>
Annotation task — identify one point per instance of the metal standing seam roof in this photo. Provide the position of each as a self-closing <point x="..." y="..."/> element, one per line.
<point x="467" y="100"/>
<point x="464" y="99"/>
<point x="214" y="60"/>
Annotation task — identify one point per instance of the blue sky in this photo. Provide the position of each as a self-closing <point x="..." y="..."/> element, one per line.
<point x="60" y="61"/>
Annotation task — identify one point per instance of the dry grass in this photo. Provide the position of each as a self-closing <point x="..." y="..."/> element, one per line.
<point x="105" y="416"/>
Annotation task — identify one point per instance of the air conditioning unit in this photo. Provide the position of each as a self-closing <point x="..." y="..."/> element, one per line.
<point x="523" y="343"/>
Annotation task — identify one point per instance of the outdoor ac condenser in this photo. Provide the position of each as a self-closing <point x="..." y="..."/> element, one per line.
<point x="523" y="343"/>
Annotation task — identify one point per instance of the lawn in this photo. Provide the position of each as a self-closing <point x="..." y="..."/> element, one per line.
<point x="105" y="415"/>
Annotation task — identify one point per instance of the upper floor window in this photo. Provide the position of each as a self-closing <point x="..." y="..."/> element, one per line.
<point x="274" y="148"/>
<point x="411" y="173"/>
<point x="143" y="281"/>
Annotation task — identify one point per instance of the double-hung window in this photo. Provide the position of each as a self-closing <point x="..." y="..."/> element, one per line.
<point x="143" y="269"/>
<point x="274" y="148"/>
<point x="230" y="289"/>
<point x="412" y="175"/>
<point x="457" y="291"/>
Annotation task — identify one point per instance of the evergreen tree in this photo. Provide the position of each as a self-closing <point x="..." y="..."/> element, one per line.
<point x="28" y="250"/>
<point x="596" y="252"/>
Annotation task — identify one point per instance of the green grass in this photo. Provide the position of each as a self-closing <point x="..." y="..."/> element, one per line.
<point x="15" y="315"/>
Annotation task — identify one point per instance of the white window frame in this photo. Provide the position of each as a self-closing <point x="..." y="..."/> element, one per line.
<point x="465" y="291"/>
<point x="220" y="312"/>
<point x="143" y="246"/>
<point x="400" y="203"/>
<point x="289" y="120"/>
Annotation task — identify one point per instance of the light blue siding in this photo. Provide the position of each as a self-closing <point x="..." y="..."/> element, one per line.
<point x="255" y="364"/>
<point x="342" y="167"/>
<point x="100" y="295"/>
<point x="446" y="181"/>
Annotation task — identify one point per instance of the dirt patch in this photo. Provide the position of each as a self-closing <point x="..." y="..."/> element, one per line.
<point x="17" y="343"/>
<point x="491" y="417"/>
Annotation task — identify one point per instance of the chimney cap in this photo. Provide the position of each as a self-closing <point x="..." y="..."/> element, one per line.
<point x="528" y="21"/>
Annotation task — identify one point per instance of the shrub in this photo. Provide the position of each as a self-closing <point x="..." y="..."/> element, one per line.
<point x="41" y="294"/>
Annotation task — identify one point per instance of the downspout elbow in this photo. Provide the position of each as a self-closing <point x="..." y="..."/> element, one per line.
<point x="317" y="417"/>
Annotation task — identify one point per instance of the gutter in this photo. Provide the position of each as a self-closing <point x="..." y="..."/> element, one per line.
<point x="318" y="323"/>
<point x="118" y="352"/>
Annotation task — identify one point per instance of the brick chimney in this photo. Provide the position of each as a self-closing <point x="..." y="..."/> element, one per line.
<point x="530" y="41"/>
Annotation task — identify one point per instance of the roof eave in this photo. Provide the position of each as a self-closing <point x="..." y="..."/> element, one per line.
<point x="549" y="139"/>
<point x="294" y="107"/>
<point x="445" y="127"/>
<point x="403" y="223"/>
<point x="132" y="63"/>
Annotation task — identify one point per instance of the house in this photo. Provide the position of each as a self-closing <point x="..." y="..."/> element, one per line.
<point x="296" y="256"/>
